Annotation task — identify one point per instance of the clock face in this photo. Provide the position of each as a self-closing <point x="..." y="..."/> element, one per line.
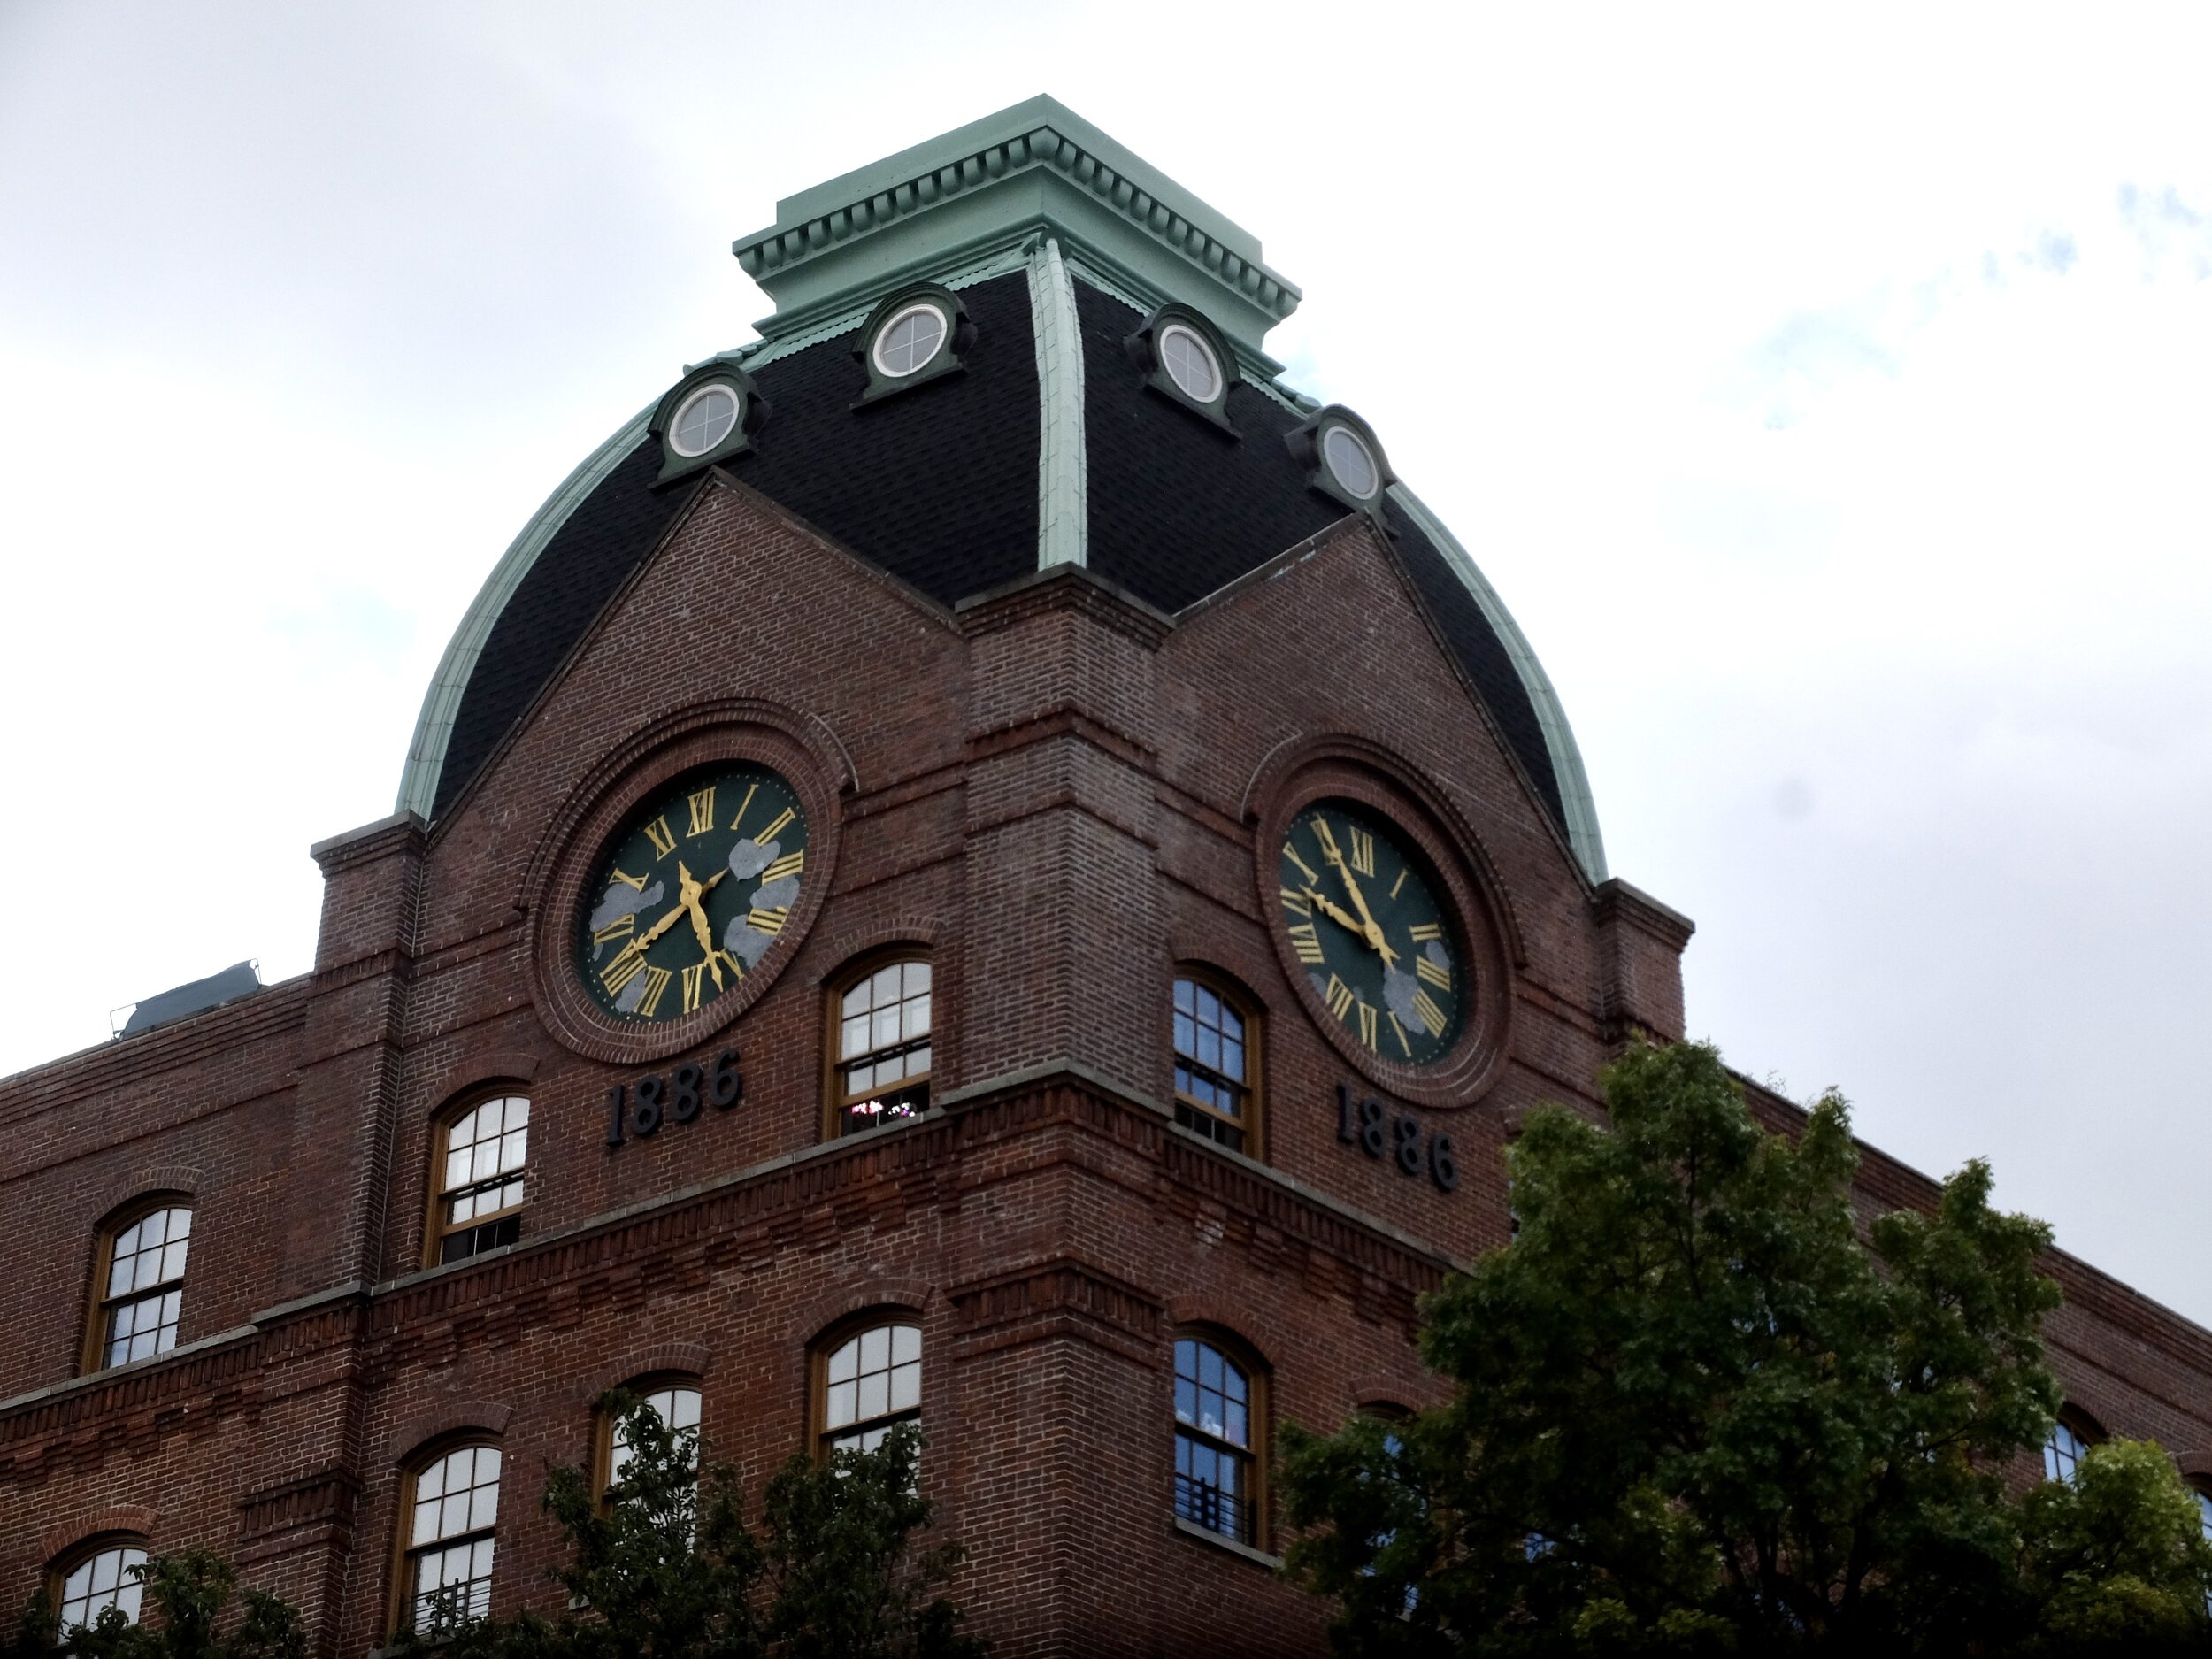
<point x="1369" y="930"/>
<point x="696" y="889"/>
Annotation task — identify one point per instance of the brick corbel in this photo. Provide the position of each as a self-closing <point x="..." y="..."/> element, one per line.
<point x="440" y="1421"/>
<point x="64" y="1536"/>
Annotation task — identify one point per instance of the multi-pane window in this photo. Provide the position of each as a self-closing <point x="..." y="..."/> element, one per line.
<point x="881" y="1072"/>
<point x="452" y="1511"/>
<point x="101" y="1581"/>
<point x="2062" y="1453"/>
<point x="871" y="1383"/>
<point x="1213" y="1067"/>
<point x="676" y="1404"/>
<point x="481" y="1161"/>
<point x="1213" y="1440"/>
<point x="144" y="1291"/>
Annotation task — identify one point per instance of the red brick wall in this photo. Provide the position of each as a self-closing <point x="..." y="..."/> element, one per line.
<point x="1058" y="792"/>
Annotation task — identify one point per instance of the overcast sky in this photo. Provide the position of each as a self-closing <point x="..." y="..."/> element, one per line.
<point x="1828" y="391"/>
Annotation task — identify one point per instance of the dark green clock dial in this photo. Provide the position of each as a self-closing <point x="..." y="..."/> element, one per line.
<point x="699" y="884"/>
<point x="1369" y="929"/>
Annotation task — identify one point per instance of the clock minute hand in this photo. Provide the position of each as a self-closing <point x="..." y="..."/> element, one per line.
<point x="1372" y="932"/>
<point x="690" y="891"/>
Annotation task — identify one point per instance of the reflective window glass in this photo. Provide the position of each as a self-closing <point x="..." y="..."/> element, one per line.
<point x="883" y="1047"/>
<point x="145" y="1294"/>
<point x="870" y="1384"/>
<point x="1213" y="1440"/>
<point x="450" y="1537"/>
<point x="102" y="1580"/>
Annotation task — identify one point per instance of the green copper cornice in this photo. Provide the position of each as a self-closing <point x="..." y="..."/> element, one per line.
<point x="992" y="184"/>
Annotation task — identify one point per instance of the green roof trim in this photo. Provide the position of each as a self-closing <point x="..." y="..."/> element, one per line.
<point x="1063" y="469"/>
<point x="433" y="726"/>
<point x="1035" y="166"/>
<point x="1559" y="738"/>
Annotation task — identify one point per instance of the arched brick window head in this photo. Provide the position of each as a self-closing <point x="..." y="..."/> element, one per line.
<point x="871" y="1383"/>
<point x="140" y="1286"/>
<point x="879" y="1046"/>
<point x="100" y="1577"/>
<point x="482" y="1156"/>
<point x="449" y="1521"/>
<point x="1217" y="1062"/>
<point x="1216" y="1428"/>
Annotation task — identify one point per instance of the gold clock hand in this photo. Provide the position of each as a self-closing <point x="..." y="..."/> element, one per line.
<point x="1338" y="914"/>
<point x="1371" y="932"/>
<point x="690" y="891"/>
<point x="645" y="940"/>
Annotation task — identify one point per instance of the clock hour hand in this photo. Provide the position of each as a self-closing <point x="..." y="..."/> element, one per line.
<point x="645" y="941"/>
<point x="1369" y="930"/>
<point x="688" y="901"/>
<point x="1338" y="914"/>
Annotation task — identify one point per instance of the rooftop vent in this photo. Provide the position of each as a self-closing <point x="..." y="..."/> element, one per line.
<point x="239" y="979"/>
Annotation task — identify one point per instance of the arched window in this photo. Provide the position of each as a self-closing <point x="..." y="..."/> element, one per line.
<point x="870" y="1383"/>
<point x="140" y="1284"/>
<point x="880" y="1045"/>
<point x="1217" y="1062"/>
<point x="96" y="1577"/>
<point x="2070" y="1439"/>
<point x="480" y="1160"/>
<point x="1219" y="1419"/>
<point x="449" y="1517"/>
<point x="674" y="1400"/>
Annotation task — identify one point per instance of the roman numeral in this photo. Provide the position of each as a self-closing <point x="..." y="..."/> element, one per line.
<point x="1368" y="1020"/>
<point x="636" y="884"/>
<point x="621" y="927"/>
<point x="1327" y="838"/>
<point x="662" y="838"/>
<point x="736" y="968"/>
<point x="775" y="829"/>
<point x="695" y="984"/>
<point x="1339" y="997"/>
<point x="1296" y="903"/>
<point x="768" y="921"/>
<point x="1406" y="1048"/>
<point x="702" y="810"/>
<point x="626" y="967"/>
<point x="656" y="981"/>
<point x="1423" y="932"/>
<point x="1435" y="972"/>
<point x="1400" y="882"/>
<point x="789" y="865"/>
<point x="1362" y="850"/>
<point x="1305" y="942"/>
<point x="1291" y="853"/>
<point x="751" y="789"/>
<point x="1431" y="1016"/>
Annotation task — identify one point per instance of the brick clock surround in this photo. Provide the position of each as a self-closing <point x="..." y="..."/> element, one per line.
<point x="1051" y="648"/>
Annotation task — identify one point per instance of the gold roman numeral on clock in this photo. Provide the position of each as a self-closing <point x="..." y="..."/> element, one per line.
<point x="1431" y="1016"/>
<point x="1400" y="882"/>
<point x="695" y="985"/>
<point x="662" y="838"/>
<point x="1435" y="972"/>
<point x="1362" y="850"/>
<point x="1296" y="903"/>
<point x="621" y="927"/>
<point x="626" y="967"/>
<point x="1304" y="941"/>
<point x="636" y="884"/>
<point x="789" y="865"/>
<point x="751" y="789"/>
<point x="1322" y="833"/>
<point x="1400" y="1032"/>
<point x="1291" y="853"/>
<point x="775" y="828"/>
<point x="1338" y="995"/>
<point x="768" y="921"/>
<point x="656" y="981"/>
<point x="1368" y="1020"/>
<point x="702" y="810"/>
<point x="1423" y="932"/>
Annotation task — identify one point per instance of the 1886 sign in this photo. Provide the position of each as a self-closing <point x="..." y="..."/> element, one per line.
<point x="1366" y="1124"/>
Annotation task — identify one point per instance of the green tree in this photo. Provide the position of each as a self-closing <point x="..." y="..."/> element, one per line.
<point x="1696" y="1409"/>
<point x="666" y="1568"/>
<point x="187" y="1597"/>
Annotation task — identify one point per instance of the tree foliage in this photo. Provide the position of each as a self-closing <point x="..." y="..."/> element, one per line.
<point x="1695" y="1409"/>
<point x="186" y="1611"/>
<point x="666" y="1566"/>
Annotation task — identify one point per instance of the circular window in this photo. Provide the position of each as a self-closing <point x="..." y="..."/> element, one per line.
<point x="910" y="341"/>
<point x="1189" y="362"/>
<point x="705" y="420"/>
<point x="1351" y="461"/>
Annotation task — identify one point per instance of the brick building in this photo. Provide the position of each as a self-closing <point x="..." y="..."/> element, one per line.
<point x="981" y="858"/>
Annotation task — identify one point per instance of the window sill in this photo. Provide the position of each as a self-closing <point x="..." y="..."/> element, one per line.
<point x="1220" y="1540"/>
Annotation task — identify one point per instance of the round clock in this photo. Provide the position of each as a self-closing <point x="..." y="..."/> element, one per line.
<point x="1370" y="929"/>
<point x="693" y="892"/>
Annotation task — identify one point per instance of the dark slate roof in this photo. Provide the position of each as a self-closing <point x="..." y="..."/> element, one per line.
<point x="938" y="487"/>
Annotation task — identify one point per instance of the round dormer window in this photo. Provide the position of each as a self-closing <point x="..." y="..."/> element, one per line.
<point x="703" y="419"/>
<point x="1189" y="362"/>
<point x="910" y="341"/>
<point x="1351" y="463"/>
